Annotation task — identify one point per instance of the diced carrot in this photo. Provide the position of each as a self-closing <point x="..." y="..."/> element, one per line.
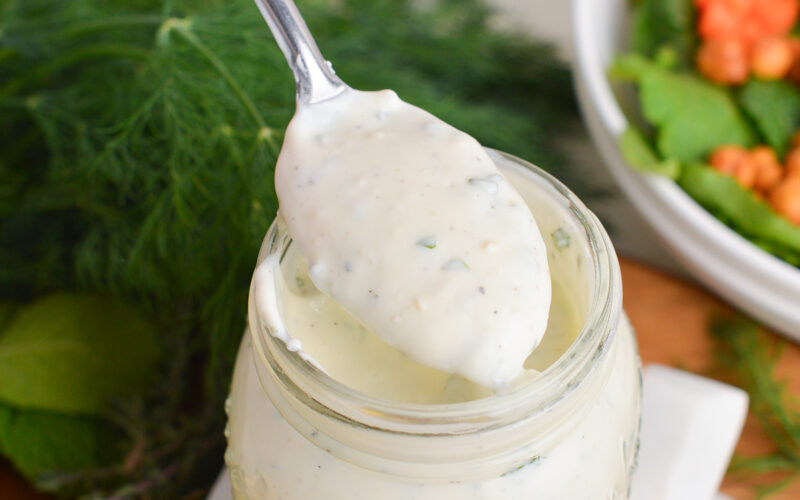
<point x="771" y="57"/>
<point x="792" y="162"/>
<point x="776" y="17"/>
<point x="785" y="198"/>
<point x="794" y="71"/>
<point x="746" y="20"/>
<point x="727" y="158"/>
<point x="723" y="19"/>
<point x="769" y="168"/>
<point x="723" y="61"/>
<point x="750" y="31"/>
<point x="747" y="174"/>
<point x="736" y="161"/>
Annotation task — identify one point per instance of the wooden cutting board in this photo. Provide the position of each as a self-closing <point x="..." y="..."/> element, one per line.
<point x="670" y="318"/>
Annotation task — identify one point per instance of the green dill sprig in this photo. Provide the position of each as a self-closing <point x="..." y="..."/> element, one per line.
<point x="750" y="356"/>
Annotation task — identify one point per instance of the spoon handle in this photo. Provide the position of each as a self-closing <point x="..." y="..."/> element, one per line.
<point x="315" y="79"/>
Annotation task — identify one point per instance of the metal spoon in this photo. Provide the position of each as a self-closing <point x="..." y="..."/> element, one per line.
<point x="314" y="76"/>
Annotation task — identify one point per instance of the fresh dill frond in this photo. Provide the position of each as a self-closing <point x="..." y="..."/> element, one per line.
<point x="750" y="357"/>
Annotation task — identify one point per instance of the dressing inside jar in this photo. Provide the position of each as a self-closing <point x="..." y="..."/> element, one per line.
<point x="342" y="415"/>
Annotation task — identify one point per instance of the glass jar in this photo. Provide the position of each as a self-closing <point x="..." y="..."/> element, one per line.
<point x="571" y="432"/>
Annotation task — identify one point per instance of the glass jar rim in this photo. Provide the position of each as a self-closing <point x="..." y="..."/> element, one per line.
<point x="318" y="390"/>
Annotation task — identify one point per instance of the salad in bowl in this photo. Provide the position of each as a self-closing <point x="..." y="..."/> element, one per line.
<point x="695" y="106"/>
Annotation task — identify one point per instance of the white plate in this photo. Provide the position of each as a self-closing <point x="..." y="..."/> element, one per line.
<point x="758" y="283"/>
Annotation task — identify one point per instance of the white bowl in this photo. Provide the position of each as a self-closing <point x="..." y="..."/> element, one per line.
<point x="760" y="284"/>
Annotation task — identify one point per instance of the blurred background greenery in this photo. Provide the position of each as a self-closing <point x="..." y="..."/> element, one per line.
<point x="136" y="163"/>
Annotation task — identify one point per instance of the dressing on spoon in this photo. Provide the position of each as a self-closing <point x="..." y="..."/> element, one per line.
<point x="407" y="223"/>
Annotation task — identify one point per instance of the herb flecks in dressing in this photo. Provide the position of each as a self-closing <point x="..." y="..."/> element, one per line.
<point x="402" y="218"/>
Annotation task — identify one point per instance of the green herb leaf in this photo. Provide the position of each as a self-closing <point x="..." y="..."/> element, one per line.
<point x="455" y="265"/>
<point x="724" y="197"/>
<point x="428" y="242"/>
<point x="640" y="155"/>
<point x="74" y="353"/>
<point x="774" y="107"/>
<point x="660" y="24"/>
<point x="630" y="67"/>
<point x="37" y="442"/>
<point x="750" y="356"/>
<point x="518" y="468"/>
<point x="561" y="238"/>
<point x="762" y="463"/>
<point x="692" y="117"/>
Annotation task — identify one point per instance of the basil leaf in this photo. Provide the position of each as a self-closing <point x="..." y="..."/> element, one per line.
<point x="775" y="109"/>
<point x="39" y="441"/>
<point x="692" y="116"/>
<point x="660" y="24"/>
<point x="73" y="353"/>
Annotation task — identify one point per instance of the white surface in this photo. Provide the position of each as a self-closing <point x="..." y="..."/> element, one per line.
<point x="222" y="488"/>
<point x="755" y="281"/>
<point x="690" y="428"/>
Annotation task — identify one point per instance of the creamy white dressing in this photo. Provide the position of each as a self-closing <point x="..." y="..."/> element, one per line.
<point x="327" y="335"/>
<point x="407" y="224"/>
<point x="268" y="459"/>
<point x="314" y="325"/>
<point x="272" y="454"/>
